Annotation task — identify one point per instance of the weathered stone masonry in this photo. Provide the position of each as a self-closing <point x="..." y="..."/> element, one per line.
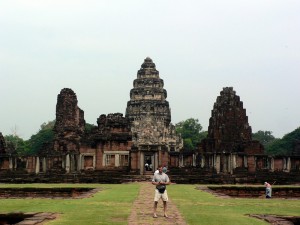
<point x="124" y="144"/>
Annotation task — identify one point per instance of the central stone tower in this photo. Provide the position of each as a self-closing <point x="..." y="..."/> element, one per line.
<point x="153" y="135"/>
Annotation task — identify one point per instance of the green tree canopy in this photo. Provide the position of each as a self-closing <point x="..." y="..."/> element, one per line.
<point x="89" y="127"/>
<point x="16" y="145"/>
<point x="191" y="133"/>
<point x="285" y="145"/>
<point x="43" y="136"/>
<point x="264" y="137"/>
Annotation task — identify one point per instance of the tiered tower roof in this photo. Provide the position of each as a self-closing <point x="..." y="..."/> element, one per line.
<point x="228" y="129"/>
<point x="148" y="97"/>
<point x="228" y="120"/>
<point x="149" y="112"/>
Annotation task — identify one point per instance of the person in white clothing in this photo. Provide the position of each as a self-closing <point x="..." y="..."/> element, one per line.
<point x="160" y="180"/>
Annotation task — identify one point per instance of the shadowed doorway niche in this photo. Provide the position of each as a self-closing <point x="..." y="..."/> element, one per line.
<point x="149" y="163"/>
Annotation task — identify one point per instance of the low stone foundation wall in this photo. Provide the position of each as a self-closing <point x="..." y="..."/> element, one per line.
<point x="46" y="192"/>
<point x="179" y="175"/>
<point x="255" y="191"/>
<point x="26" y="218"/>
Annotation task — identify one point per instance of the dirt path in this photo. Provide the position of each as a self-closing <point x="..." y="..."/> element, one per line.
<point x="142" y="209"/>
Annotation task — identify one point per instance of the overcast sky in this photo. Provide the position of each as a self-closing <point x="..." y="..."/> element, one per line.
<point x="96" y="48"/>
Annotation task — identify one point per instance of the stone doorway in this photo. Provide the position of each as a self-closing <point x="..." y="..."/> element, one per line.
<point x="149" y="163"/>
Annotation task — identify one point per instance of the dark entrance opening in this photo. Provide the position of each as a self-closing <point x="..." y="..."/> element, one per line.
<point x="148" y="162"/>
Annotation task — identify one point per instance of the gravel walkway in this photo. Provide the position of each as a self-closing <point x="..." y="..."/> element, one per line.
<point x="142" y="209"/>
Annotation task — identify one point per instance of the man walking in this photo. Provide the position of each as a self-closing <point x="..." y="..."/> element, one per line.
<point x="160" y="180"/>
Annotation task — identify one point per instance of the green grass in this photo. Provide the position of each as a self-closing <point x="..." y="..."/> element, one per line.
<point x="113" y="205"/>
<point x="199" y="207"/>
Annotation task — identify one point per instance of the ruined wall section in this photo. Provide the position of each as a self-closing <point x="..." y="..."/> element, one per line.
<point x="112" y="140"/>
<point x="70" y="123"/>
<point x="112" y="127"/>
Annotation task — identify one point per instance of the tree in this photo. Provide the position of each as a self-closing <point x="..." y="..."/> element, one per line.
<point x="264" y="137"/>
<point x="16" y="145"/>
<point x="89" y="127"/>
<point x="191" y="134"/>
<point x="48" y="125"/>
<point x="43" y="136"/>
<point x="285" y="145"/>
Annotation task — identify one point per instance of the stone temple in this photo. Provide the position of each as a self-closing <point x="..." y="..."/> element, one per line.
<point x="229" y="130"/>
<point x="120" y="147"/>
<point x="229" y="140"/>
<point x="144" y="135"/>
<point x="153" y="136"/>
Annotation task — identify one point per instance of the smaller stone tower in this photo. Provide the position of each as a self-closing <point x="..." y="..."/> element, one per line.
<point x="228" y="129"/>
<point x="69" y="125"/>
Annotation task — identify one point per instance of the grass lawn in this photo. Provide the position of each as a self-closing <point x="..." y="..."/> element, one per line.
<point x="199" y="207"/>
<point x="113" y="205"/>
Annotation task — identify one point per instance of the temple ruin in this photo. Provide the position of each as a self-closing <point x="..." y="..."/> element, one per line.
<point x="126" y="148"/>
<point x="229" y="140"/>
<point x="153" y="136"/>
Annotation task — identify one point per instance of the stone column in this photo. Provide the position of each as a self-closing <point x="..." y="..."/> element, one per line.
<point x="245" y="161"/>
<point x="27" y="163"/>
<point x="180" y="160"/>
<point x="288" y="168"/>
<point x="202" y="161"/>
<point x="44" y="165"/>
<point x="10" y="163"/>
<point x="94" y="161"/>
<point x="229" y="164"/>
<point x="217" y="163"/>
<point x="103" y="160"/>
<point x="15" y="165"/>
<point x="117" y="160"/>
<point x="233" y="162"/>
<point x="67" y="163"/>
<point x="72" y="163"/>
<point x="225" y="163"/>
<point x="63" y="162"/>
<point x="194" y="159"/>
<point x="159" y="154"/>
<point x="155" y="160"/>
<point x="142" y="164"/>
<point x="272" y="165"/>
<point x="210" y="161"/>
<point x="138" y="158"/>
<point x="37" y="165"/>
<point x="79" y="163"/>
<point x="213" y="160"/>
<point x="153" y="163"/>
